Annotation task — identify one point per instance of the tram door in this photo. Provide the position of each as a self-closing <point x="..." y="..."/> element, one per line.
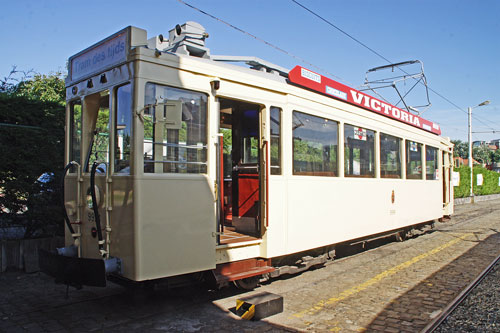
<point x="446" y="178"/>
<point x="242" y="167"/>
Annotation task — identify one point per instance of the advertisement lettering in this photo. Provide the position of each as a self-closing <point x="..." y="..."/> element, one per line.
<point x="314" y="81"/>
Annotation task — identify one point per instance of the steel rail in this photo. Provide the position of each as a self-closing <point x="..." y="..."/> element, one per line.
<point x="438" y="320"/>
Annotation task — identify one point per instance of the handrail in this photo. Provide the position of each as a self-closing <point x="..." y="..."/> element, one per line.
<point x="175" y="162"/>
<point x="95" y="208"/>
<point x="63" y="205"/>
<point x="267" y="162"/>
<point x="221" y="183"/>
<point x="176" y="145"/>
<point x="76" y="235"/>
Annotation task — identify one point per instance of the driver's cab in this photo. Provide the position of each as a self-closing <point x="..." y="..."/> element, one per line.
<point x="100" y="139"/>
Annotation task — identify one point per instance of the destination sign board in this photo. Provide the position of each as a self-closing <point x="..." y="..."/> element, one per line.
<point x="309" y="79"/>
<point x="105" y="54"/>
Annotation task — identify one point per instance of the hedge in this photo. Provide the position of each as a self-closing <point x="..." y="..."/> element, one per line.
<point x="490" y="182"/>
<point x="31" y="145"/>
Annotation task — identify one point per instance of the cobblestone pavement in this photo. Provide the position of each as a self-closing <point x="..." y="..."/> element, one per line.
<point x="397" y="287"/>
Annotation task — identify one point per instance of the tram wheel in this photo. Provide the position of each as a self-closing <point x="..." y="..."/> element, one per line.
<point x="248" y="283"/>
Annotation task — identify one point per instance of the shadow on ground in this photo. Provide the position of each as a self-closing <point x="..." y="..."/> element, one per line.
<point x="416" y="308"/>
<point x="33" y="302"/>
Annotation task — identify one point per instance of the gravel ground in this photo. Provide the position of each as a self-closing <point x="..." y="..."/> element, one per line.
<point x="480" y="311"/>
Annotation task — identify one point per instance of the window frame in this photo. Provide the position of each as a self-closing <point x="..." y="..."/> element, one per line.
<point x="115" y="128"/>
<point x="279" y="166"/>
<point x="205" y="146"/>
<point x="330" y="173"/>
<point x="71" y="116"/>
<point x="407" y="162"/>
<point x="399" y="140"/>
<point x="374" y="152"/>
<point x="436" y="166"/>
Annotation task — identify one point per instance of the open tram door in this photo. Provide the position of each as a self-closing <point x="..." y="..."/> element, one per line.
<point x="244" y="168"/>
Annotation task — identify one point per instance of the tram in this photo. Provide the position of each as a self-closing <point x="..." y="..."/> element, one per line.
<point x="182" y="165"/>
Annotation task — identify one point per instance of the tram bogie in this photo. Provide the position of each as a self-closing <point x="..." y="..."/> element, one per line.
<point x="183" y="164"/>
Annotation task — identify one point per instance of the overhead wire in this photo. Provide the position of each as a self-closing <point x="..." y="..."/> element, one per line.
<point x="309" y="63"/>
<point x="260" y="40"/>
<point x="381" y="56"/>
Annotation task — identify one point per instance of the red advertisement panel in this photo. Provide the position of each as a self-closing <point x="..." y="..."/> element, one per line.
<point x="309" y="79"/>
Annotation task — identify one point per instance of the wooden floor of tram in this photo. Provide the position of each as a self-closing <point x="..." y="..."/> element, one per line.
<point x="230" y="236"/>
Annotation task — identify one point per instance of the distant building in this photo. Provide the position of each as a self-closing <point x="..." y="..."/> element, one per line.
<point x="458" y="161"/>
<point x="495" y="143"/>
<point x="478" y="143"/>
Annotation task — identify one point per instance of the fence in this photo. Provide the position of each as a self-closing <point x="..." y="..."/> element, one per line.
<point x="467" y="200"/>
<point x="22" y="254"/>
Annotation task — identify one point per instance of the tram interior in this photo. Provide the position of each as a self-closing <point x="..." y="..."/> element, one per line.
<point x="239" y="125"/>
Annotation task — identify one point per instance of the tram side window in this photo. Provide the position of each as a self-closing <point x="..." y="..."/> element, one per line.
<point x="413" y="160"/>
<point x="315" y="145"/>
<point x="390" y="156"/>
<point x="275" y="141"/>
<point x="431" y="163"/>
<point x="75" y="137"/>
<point x="175" y="130"/>
<point x="359" y="152"/>
<point x="123" y="128"/>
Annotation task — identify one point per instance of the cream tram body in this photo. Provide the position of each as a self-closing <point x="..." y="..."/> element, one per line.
<point x="161" y="220"/>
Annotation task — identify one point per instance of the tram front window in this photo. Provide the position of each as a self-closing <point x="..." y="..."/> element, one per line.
<point x="96" y="121"/>
<point x="175" y="130"/>
<point x="123" y="128"/>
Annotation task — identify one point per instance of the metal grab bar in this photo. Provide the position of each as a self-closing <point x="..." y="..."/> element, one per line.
<point x="246" y="167"/>
<point x="176" y="145"/>
<point x="176" y="162"/>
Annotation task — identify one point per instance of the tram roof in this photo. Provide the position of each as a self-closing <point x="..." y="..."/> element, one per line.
<point x="115" y="49"/>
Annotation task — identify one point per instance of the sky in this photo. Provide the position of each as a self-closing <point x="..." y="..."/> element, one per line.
<point x="457" y="41"/>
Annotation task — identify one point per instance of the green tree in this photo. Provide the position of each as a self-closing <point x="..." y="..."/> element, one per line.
<point x="482" y="154"/>
<point x="496" y="156"/>
<point x="46" y="88"/>
<point x="32" y="144"/>
<point x="461" y="149"/>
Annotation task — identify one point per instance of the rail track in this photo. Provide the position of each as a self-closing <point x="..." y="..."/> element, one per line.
<point x="448" y="311"/>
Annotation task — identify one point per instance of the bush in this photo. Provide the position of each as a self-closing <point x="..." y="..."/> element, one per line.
<point x="463" y="190"/>
<point x="490" y="182"/>
<point x="31" y="144"/>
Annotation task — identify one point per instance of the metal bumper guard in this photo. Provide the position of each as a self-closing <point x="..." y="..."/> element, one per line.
<point x="76" y="271"/>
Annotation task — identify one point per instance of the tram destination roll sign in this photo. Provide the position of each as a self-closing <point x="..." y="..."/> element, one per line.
<point x="107" y="53"/>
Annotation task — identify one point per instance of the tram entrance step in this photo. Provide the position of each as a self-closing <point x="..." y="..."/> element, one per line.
<point x="242" y="269"/>
<point x="259" y="306"/>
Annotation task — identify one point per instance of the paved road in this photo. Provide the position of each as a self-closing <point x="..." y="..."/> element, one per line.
<point x="396" y="287"/>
